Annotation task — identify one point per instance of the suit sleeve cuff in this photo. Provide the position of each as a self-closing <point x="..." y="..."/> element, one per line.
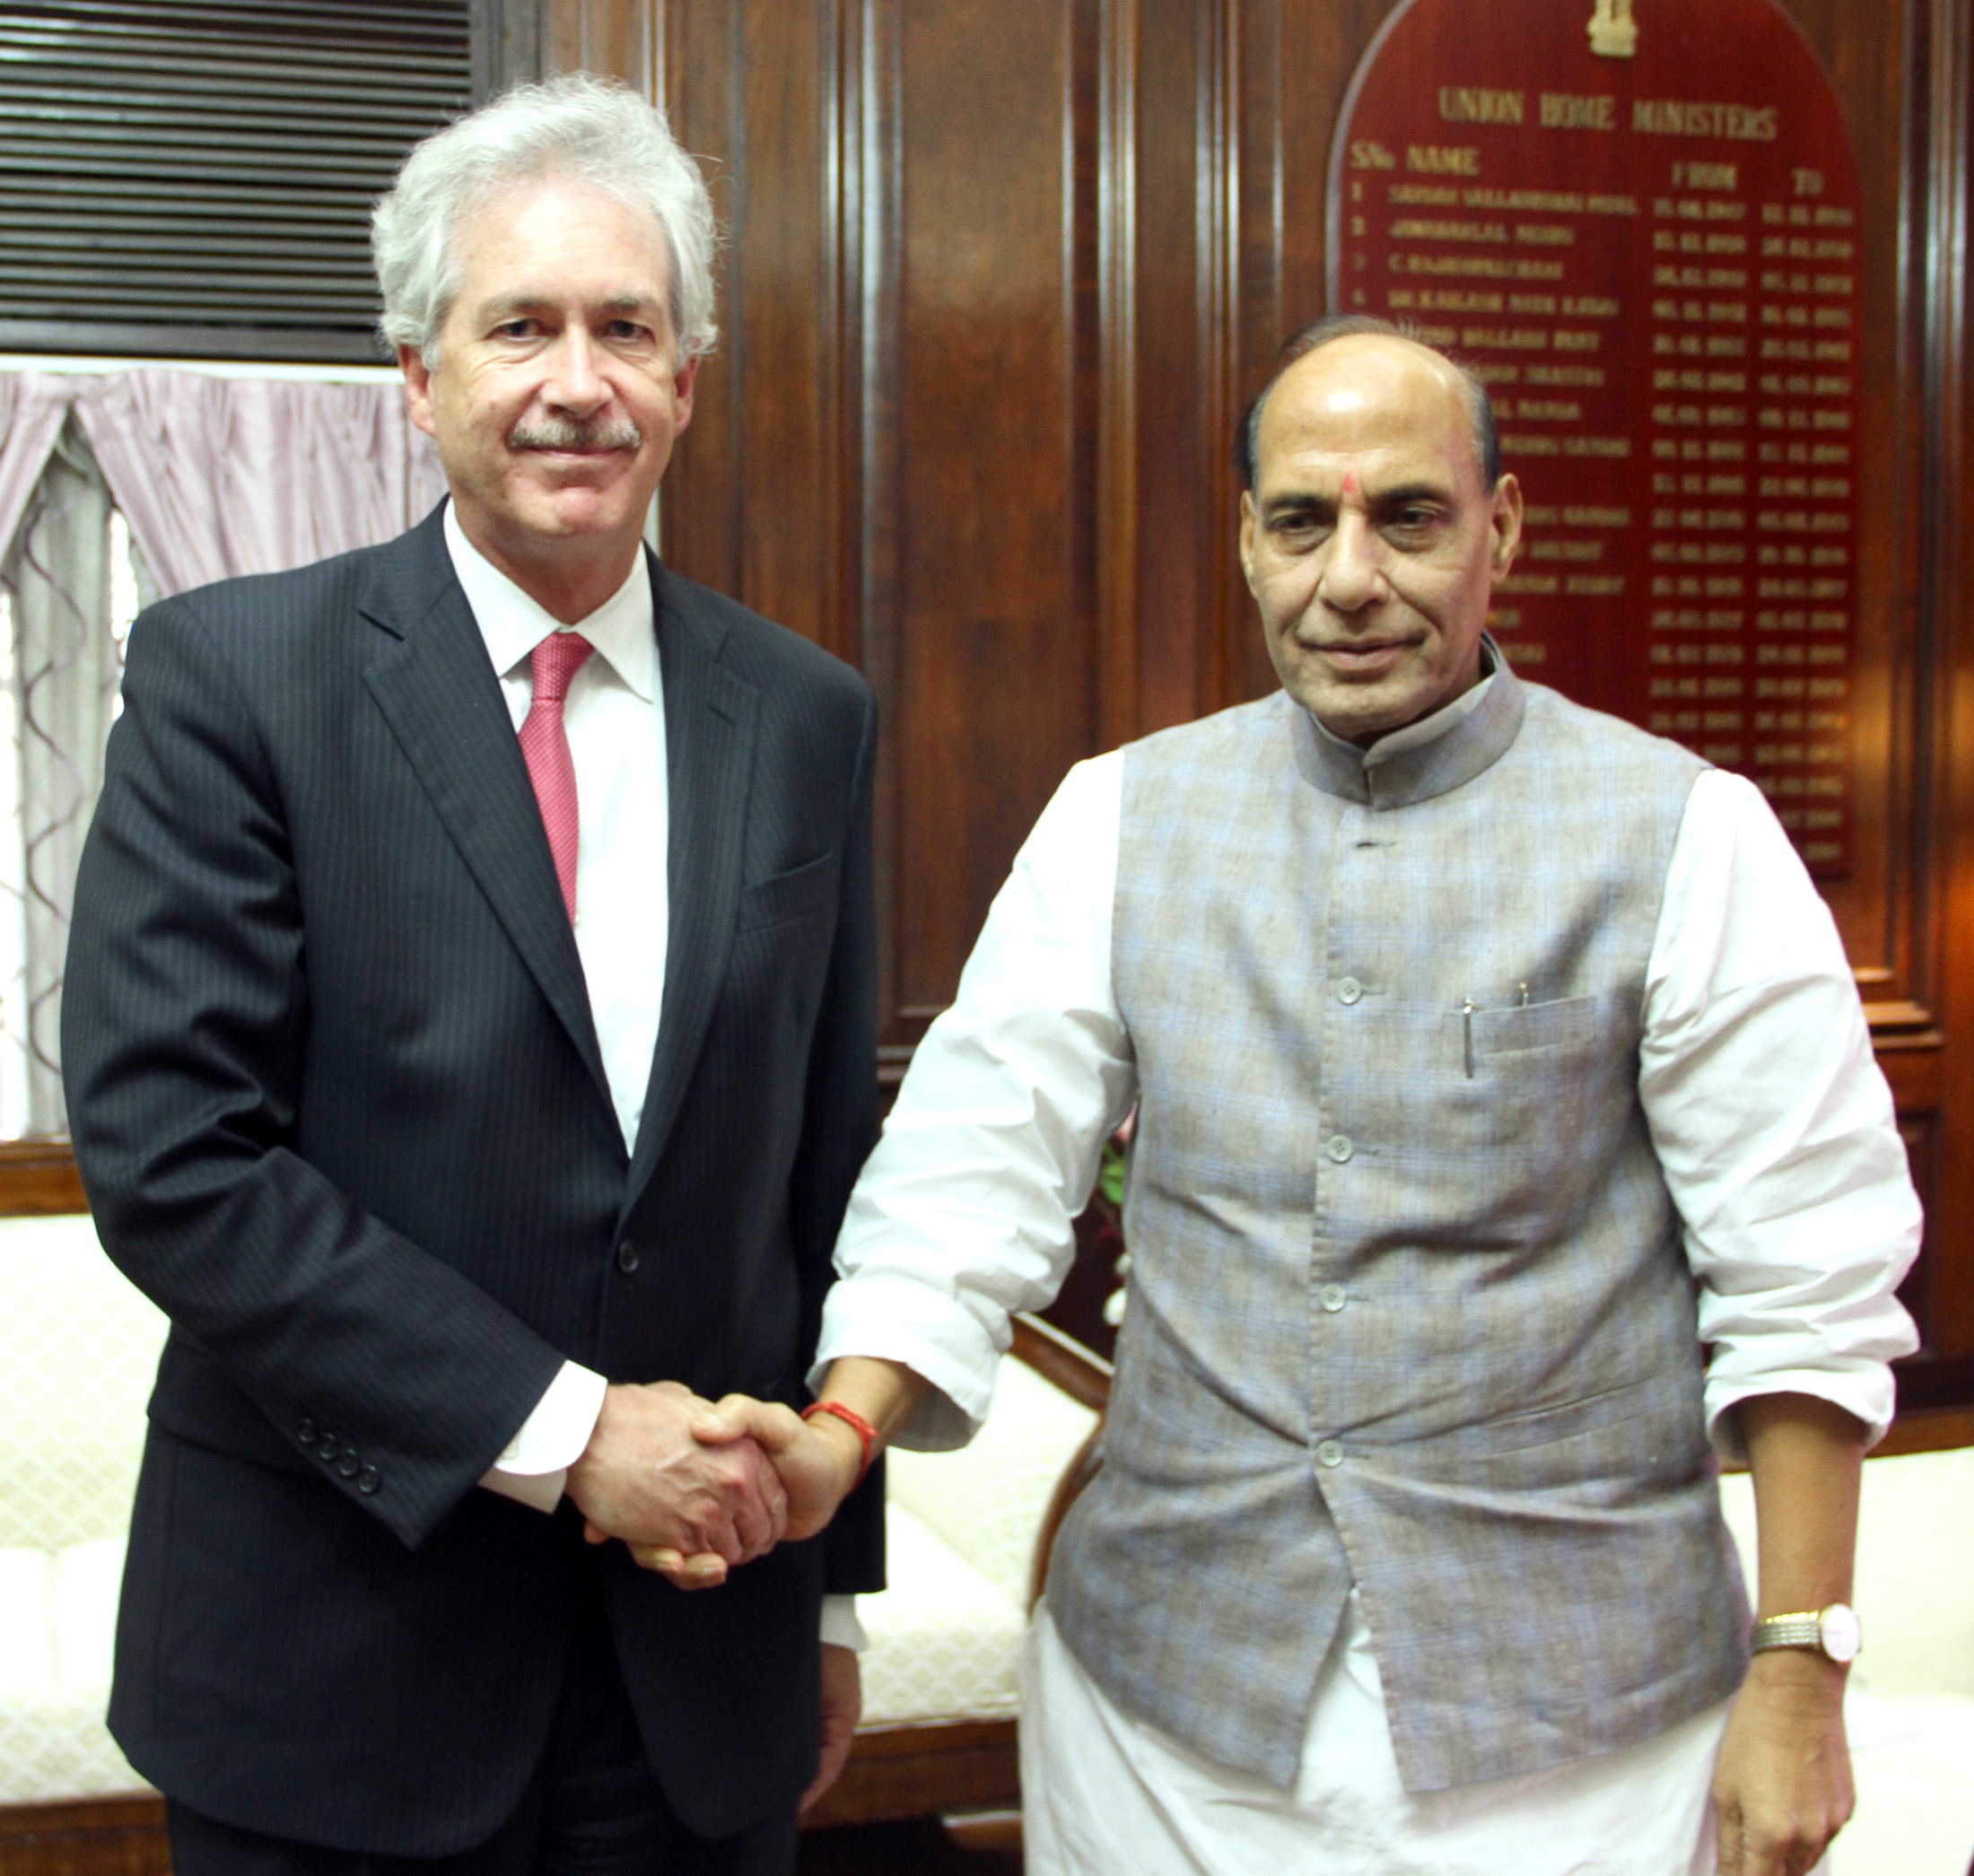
<point x="534" y="1465"/>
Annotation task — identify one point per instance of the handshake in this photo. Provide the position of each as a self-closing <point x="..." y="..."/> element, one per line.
<point x="695" y="1488"/>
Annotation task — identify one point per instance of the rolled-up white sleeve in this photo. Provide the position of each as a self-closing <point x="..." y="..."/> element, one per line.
<point x="1773" y="1123"/>
<point x="966" y="1211"/>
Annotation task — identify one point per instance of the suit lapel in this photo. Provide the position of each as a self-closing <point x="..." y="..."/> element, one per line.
<point x="439" y="694"/>
<point x="711" y="718"/>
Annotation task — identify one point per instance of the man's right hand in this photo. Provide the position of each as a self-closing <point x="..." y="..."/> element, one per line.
<point x="819" y="1460"/>
<point x="644" y="1478"/>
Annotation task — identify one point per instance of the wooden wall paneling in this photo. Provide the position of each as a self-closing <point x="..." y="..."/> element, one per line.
<point x="1128" y="613"/>
<point x="699" y="503"/>
<point x="508" y="38"/>
<point x="1268" y="291"/>
<point x="995" y="684"/>
<point x="872" y="179"/>
<point x="1154" y="597"/>
<point x="1222" y="195"/>
<point x="1941" y="264"/>
<point x="756" y="503"/>
<point x="615" y="38"/>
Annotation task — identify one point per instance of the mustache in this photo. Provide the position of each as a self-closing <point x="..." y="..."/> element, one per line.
<point x="575" y="433"/>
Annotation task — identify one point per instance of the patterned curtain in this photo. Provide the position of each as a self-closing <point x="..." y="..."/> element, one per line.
<point x="65" y="664"/>
<point x="215" y="476"/>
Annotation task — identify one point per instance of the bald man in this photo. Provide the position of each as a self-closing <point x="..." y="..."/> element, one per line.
<point x="1508" y="1145"/>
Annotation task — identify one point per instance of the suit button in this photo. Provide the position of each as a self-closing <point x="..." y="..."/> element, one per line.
<point x="347" y="1464"/>
<point x="367" y="1480"/>
<point x="306" y="1432"/>
<point x="327" y="1447"/>
<point x="628" y="1257"/>
<point x="1339" y="1147"/>
<point x="1329" y="1453"/>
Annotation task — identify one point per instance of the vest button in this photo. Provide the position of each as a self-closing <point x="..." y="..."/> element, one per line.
<point x="628" y="1257"/>
<point x="1329" y="1453"/>
<point x="1331" y="1297"/>
<point x="1340" y="1147"/>
<point x="1349" y="990"/>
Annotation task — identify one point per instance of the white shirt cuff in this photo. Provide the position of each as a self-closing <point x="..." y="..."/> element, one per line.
<point x="534" y="1465"/>
<point x="840" y="1628"/>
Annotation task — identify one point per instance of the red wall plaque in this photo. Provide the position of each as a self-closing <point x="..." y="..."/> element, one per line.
<point x="1640" y="225"/>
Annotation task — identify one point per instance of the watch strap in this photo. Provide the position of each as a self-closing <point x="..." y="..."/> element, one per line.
<point x="1801" y="1628"/>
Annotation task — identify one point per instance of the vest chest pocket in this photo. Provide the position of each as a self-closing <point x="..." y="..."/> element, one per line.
<point x="1521" y="1086"/>
<point x="1522" y="1029"/>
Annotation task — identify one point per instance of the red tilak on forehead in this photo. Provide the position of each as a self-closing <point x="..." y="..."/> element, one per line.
<point x="1350" y="485"/>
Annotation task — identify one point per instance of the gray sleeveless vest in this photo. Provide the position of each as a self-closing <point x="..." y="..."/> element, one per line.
<point x="1408" y="1302"/>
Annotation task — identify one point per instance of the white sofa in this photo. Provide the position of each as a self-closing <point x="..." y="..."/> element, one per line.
<point x="77" y="1349"/>
<point x="77" y="1346"/>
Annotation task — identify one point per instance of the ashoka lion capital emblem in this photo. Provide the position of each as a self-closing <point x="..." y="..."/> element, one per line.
<point x="1613" y="32"/>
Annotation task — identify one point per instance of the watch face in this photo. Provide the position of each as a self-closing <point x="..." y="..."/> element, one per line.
<point x="1843" y="1634"/>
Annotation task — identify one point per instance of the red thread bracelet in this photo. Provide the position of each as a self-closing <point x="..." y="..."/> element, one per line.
<point x="856" y="1424"/>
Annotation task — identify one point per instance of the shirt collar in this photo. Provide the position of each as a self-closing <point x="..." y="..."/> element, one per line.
<point x="512" y="624"/>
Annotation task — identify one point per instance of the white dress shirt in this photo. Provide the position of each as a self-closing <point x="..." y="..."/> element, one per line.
<point x="614" y="716"/>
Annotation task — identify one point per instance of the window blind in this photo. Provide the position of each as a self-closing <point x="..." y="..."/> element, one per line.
<point x="194" y="176"/>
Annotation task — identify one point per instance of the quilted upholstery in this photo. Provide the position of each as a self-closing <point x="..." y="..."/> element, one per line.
<point x="56" y="1611"/>
<point x="946" y="1637"/>
<point x="78" y="1346"/>
<point x="987" y="1499"/>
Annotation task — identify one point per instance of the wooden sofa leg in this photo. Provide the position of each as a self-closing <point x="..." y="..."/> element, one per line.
<point x="985" y="1829"/>
<point x="85" y="1837"/>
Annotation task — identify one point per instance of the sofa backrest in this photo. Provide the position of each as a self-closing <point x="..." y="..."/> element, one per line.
<point x="987" y="1499"/>
<point x="78" y="1349"/>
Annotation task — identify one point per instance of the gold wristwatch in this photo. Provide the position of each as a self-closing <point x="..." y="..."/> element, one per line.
<point x="1835" y="1633"/>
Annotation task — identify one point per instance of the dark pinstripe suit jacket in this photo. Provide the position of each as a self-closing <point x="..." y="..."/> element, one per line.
<point x="340" y="1107"/>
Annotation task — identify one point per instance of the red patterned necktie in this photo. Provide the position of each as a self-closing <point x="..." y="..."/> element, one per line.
<point x="545" y="746"/>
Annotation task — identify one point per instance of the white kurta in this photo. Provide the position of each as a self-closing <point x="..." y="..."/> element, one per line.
<point x="1775" y="1131"/>
<point x="1104" y="1794"/>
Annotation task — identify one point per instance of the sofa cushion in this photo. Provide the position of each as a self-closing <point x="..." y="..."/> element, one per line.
<point x="79" y="1347"/>
<point x="60" y="1614"/>
<point x="944" y="1640"/>
<point x="987" y="1499"/>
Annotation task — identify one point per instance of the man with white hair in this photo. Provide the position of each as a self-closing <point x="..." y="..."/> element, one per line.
<point x="470" y="1041"/>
